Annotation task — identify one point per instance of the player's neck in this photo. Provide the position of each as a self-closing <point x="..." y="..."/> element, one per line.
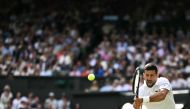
<point x="150" y="86"/>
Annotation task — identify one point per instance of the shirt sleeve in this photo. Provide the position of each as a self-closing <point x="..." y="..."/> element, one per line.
<point x="165" y="84"/>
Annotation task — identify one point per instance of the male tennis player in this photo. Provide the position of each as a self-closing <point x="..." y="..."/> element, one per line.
<point x="156" y="92"/>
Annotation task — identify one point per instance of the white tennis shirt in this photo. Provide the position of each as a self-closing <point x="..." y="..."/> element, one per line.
<point x="161" y="83"/>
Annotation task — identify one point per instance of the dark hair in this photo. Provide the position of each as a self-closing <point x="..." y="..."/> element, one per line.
<point x="151" y="66"/>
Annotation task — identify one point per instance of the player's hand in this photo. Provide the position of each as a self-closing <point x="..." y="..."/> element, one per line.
<point x="137" y="103"/>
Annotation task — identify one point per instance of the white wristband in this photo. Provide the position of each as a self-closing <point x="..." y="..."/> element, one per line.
<point x="146" y="99"/>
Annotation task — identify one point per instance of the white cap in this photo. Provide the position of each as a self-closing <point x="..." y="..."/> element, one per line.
<point x="51" y="94"/>
<point x="24" y="99"/>
<point x="7" y="87"/>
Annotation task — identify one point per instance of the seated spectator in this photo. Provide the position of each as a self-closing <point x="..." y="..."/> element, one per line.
<point x="94" y="87"/>
<point x="125" y="86"/>
<point x="6" y="96"/>
<point x="24" y="103"/>
<point x="64" y="102"/>
<point x="36" y="103"/>
<point x="51" y="102"/>
<point x="16" y="101"/>
<point x="188" y="82"/>
<point x="107" y="87"/>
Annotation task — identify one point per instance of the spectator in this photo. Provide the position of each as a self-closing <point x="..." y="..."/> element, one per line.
<point x="178" y="81"/>
<point x="116" y="85"/>
<point x="188" y="82"/>
<point x="107" y="87"/>
<point x="64" y="102"/>
<point x="51" y="102"/>
<point x="124" y="85"/>
<point x="36" y="103"/>
<point x="6" y="97"/>
<point x="24" y="103"/>
<point x="16" y="101"/>
<point x="94" y="87"/>
<point x="30" y="98"/>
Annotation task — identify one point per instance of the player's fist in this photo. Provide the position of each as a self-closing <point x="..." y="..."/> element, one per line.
<point x="137" y="103"/>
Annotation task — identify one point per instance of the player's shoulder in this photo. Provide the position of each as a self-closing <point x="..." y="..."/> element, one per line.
<point x="162" y="80"/>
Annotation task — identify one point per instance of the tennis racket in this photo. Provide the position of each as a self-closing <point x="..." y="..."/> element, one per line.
<point x="136" y="81"/>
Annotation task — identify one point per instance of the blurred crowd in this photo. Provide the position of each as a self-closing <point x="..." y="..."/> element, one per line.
<point x="38" y="47"/>
<point x="32" y="101"/>
<point x="75" y="41"/>
<point x="57" y="39"/>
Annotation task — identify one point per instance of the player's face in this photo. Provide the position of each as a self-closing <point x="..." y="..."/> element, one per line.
<point x="150" y="77"/>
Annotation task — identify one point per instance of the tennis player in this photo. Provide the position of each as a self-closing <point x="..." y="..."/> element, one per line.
<point x="156" y="92"/>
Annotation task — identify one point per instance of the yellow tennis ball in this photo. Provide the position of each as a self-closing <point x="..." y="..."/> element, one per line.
<point x="91" y="77"/>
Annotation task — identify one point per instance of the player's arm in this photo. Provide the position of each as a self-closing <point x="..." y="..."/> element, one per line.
<point x="157" y="97"/>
